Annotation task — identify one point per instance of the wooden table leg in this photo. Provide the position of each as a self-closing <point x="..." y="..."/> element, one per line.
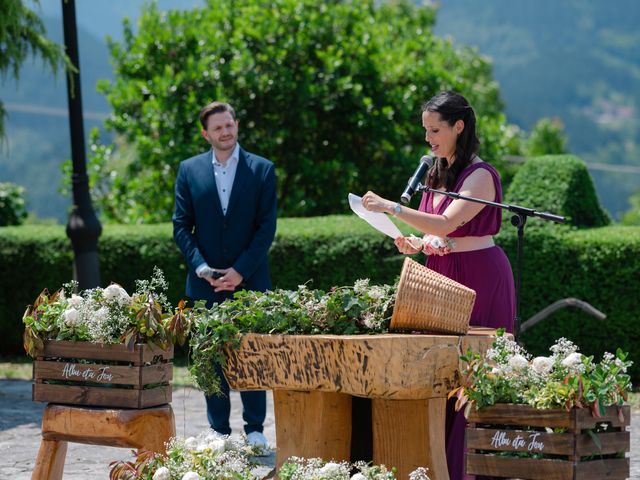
<point x="50" y="461"/>
<point x="408" y="434"/>
<point x="312" y="424"/>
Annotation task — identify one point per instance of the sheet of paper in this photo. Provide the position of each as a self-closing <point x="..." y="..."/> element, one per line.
<point x="377" y="220"/>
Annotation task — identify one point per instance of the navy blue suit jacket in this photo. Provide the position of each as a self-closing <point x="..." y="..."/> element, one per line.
<point x="240" y="239"/>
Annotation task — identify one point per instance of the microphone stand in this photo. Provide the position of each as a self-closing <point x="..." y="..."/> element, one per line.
<point x="518" y="220"/>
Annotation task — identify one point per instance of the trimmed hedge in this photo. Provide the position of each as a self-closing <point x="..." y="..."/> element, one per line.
<point x="559" y="184"/>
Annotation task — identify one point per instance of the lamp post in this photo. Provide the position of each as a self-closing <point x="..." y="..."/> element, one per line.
<point x="83" y="228"/>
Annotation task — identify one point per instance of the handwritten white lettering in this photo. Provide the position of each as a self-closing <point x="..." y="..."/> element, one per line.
<point x="502" y="439"/>
<point x="71" y="370"/>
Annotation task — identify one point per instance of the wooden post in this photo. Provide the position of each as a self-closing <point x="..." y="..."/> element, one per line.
<point x="408" y="434"/>
<point x="312" y="424"/>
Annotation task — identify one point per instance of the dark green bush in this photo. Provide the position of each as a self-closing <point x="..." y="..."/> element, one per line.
<point x="559" y="184"/>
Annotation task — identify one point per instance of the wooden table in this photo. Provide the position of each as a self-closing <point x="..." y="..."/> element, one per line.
<point x="313" y="378"/>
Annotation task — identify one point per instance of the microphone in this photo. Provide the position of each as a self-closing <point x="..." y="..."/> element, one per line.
<point x="425" y="163"/>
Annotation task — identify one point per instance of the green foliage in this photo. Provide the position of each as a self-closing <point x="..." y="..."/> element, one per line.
<point x="632" y="216"/>
<point x="564" y="379"/>
<point x="330" y="91"/>
<point x="547" y="138"/>
<point x="12" y="205"/>
<point x="342" y="311"/>
<point x="22" y="34"/>
<point x="558" y="184"/>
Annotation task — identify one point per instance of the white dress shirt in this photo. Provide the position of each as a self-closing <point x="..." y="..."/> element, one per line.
<point x="225" y="174"/>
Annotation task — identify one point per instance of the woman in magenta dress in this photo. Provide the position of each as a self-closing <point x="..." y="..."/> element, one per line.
<point x="459" y="234"/>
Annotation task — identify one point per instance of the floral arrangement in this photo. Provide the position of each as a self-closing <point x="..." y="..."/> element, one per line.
<point x="564" y="379"/>
<point x="207" y="456"/>
<point x="361" y="308"/>
<point x="214" y="457"/>
<point x="106" y="315"/>
<point x="296" y="468"/>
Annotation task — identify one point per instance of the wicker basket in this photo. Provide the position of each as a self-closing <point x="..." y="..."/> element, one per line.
<point x="427" y="300"/>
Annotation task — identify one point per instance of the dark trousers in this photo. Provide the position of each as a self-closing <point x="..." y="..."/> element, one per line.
<point x="254" y="408"/>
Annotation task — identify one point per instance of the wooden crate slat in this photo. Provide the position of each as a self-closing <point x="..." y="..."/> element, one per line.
<point x="155" y="396"/>
<point x="520" y="441"/>
<point x="508" y="414"/>
<point x="158" y="373"/>
<point x="610" y="469"/>
<point x="610" y="442"/>
<point x="92" y="351"/>
<point x="585" y="419"/>
<point x="528" y="468"/>
<point x="90" y="396"/>
<point x="102" y="373"/>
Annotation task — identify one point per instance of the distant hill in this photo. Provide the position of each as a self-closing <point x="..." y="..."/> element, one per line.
<point x="578" y="60"/>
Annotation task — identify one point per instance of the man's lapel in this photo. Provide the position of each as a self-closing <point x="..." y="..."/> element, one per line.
<point x="242" y="173"/>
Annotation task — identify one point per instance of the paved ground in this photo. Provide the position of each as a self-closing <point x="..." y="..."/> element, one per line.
<point x="20" y="434"/>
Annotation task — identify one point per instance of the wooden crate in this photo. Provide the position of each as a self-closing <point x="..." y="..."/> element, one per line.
<point x="94" y="374"/>
<point x="574" y="454"/>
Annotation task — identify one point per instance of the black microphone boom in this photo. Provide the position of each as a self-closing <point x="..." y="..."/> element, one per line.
<point x="414" y="182"/>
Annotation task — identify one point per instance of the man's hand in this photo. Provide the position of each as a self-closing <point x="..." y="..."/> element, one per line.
<point x="229" y="280"/>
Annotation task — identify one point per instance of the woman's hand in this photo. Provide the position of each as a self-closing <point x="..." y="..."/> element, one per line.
<point x="407" y="245"/>
<point x="375" y="203"/>
<point x="434" y="245"/>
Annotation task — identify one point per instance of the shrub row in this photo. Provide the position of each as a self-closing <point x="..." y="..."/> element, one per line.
<point x="599" y="266"/>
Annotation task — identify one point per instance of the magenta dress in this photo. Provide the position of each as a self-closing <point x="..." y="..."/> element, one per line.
<point x="486" y="271"/>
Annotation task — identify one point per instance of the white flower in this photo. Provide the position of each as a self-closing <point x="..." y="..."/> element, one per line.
<point x="518" y="362"/>
<point x="191" y="443"/>
<point x="572" y="360"/>
<point x="330" y="468"/>
<point x="218" y="445"/>
<point x="75" y="301"/>
<point x="71" y="316"/>
<point x="437" y="242"/>
<point x="191" y="476"/>
<point x="358" y="476"/>
<point x="162" y="473"/>
<point x="542" y="365"/>
<point x="116" y="294"/>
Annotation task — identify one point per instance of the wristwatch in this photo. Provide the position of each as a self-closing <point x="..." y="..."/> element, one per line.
<point x="397" y="208"/>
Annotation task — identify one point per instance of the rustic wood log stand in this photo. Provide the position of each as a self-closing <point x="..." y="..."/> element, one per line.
<point x="144" y="429"/>
<point x="314" y="378"/>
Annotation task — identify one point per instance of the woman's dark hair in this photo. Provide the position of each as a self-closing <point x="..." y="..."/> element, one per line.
<point x="453" y="107"/>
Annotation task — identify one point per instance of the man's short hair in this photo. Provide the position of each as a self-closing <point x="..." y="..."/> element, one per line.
<point x="215" y="107"/>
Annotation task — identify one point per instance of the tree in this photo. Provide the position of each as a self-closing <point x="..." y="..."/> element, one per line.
<point x="22" y="33"/>
<point x="330" y="91"/>
<point x="12" y="205"/>
<point x="632" y="216"/>
<point x="547" y="138"/>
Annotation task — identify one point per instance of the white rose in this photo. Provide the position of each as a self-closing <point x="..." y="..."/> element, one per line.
<point x="115" y="293"/>
<point x="437" y="242"/>
<point x="191" y="443"/>
<point x="75" y="301"/>
<point x="542" y="364"/>
<point x="330" y="468"/>
<point x="162" y="473"/>
<point x="518" y="362"/>
<point x="191" y="476"/>
<point x="71" y="316"/>
<point x="358" y="476"/>
<point x="572" y="360"/>
<point x="218" y="445"/>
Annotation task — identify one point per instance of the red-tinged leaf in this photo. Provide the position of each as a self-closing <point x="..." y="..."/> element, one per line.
<point x="462" y="400"/>
<point x="181" y="305"/>
<point x="595" y="409"/>
<point x="620" y="415"/>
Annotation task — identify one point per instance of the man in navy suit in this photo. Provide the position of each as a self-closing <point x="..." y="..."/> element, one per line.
<point x="224" y="223"/>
